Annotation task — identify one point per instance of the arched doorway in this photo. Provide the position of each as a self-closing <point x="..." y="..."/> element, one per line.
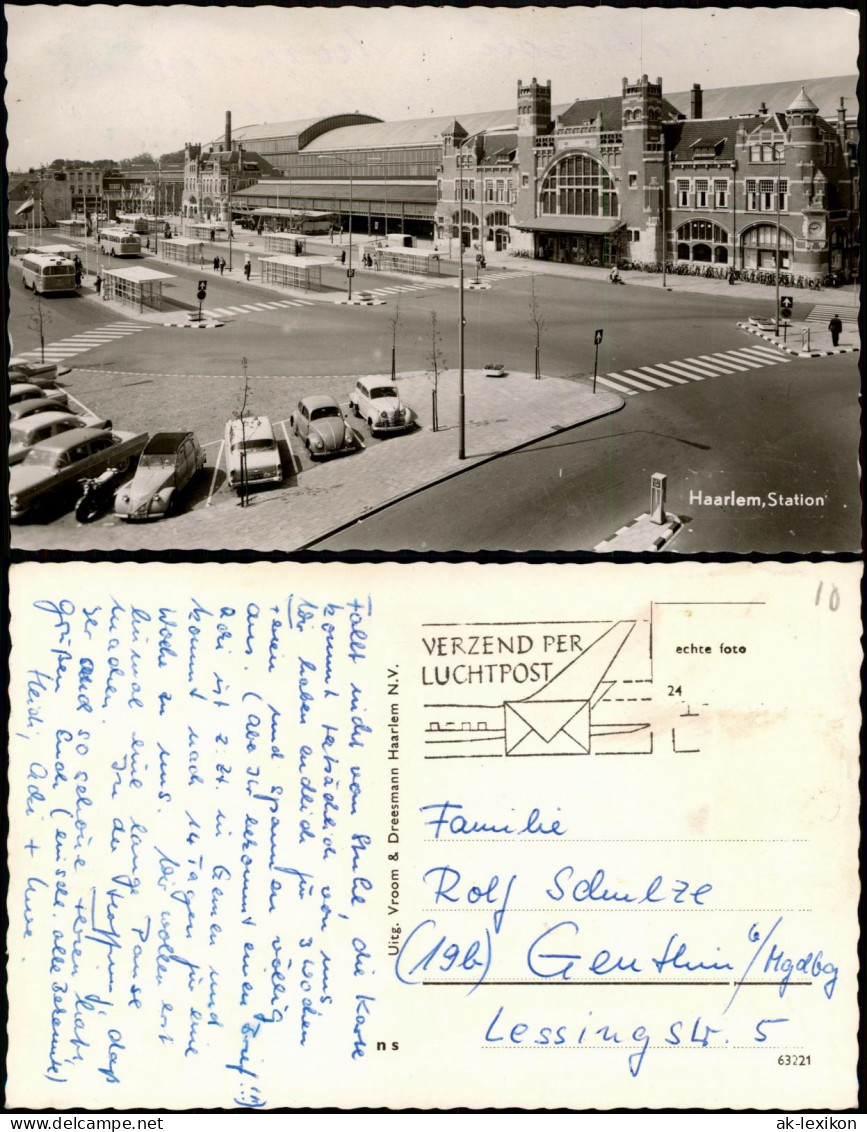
<point x="577" y="185"/>
<point x="759" y="247"/>
<point x="470" y="226"/>
<point x="497" y="229"/>
<point x="702" y="241"/>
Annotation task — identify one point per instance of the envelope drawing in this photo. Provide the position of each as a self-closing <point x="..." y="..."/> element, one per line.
<point x="556" y="720"/>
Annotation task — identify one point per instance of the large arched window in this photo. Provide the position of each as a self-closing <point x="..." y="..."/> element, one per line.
<point x="759" y="246"/>
<point x="702" y="241"/>
<point x="578" y="185"/>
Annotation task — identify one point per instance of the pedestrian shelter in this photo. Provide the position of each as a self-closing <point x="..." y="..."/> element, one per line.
<point x="140" y="288"/>
<point x="18" y="242"/>
<point x="181" y="249"/>
<point x="203" y="231"/>
<point x="287" y="243"/>
<point x="409" y="261"/>
<point x="72" y="227"/>
<point x="303" y="272"/>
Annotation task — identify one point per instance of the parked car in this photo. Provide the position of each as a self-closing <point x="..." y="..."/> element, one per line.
<point x="319" y="422"/>
<point x="60" y="462"/>
<point x="24" y="434"/>
<point x="33" y="405"/>
<point x="380" y="404"/>
<point x="37" y="373"/>
<point x="252" y="454"/>
<point x="25" y="391"/>
<point x="168" y="463"/>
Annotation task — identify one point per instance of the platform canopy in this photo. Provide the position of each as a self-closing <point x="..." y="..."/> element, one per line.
<point x="580" y="225"/>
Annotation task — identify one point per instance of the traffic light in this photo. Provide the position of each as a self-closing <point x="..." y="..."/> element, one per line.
<point x="203" y="289"/>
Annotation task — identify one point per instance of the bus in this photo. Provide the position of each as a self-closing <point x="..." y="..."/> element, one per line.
<point x="117" y="241"/>
<point x="48" y="273"/>
<point x="140" y="223"/>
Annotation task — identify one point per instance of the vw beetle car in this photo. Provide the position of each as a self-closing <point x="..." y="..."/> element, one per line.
<point x="319" y="422"/>
<point x="252" y="454"/>
<point x="167" y="464"/>
<point x="380" y="404"/>
<point x="32" y="429"/>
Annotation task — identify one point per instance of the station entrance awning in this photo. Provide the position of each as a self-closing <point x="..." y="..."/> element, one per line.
<point x="577" y="225"/>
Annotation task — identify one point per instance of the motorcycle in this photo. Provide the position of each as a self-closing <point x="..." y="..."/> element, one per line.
<point x="97" y="493"/>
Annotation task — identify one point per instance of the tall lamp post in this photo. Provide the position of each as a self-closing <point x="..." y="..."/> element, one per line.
<point x="346" y="161"/>
<point x="779" y="161"/>
<point x="462" y="418"/>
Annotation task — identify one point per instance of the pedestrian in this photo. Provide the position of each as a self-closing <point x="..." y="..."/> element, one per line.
<point x="343" y="257"/>
<point x="213" y="234"/>
<point x="836" y="328"/>
<point x="97" y="284"/>
<point x="247" y="270"/>
<point x="216" y="263"/>
<point x="147" y="243"/>
<point x="78" y="279"/>
<point x="732" y="276"/>
<point x="222" y="265"/>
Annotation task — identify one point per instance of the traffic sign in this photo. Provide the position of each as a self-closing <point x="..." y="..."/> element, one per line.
<point x="786" y="304"/>
<point x="203" y="284"/>
<point x="200" y="294"/>
<point x="350" y="272"/>
<point x="597" y="337"/>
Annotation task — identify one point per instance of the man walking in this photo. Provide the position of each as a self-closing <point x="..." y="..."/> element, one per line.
<point x="836" y="328"/>
<point x="247" y="267"/>
<point x="222" y="265"/>
<point x="216" y="262"/>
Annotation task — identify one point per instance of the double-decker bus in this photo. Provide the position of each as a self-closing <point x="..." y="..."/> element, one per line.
<point x="48" y="273"/>
<point x="118" y="241"/>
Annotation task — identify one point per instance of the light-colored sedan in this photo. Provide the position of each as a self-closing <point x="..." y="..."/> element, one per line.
<point x="26" y="391"/>
<point x="318" y="421"/>
<point x="167" y="464"/>
<point x="252" y="455"/>
<point x="31" y="430"/>
<point x="37" y="373"/>
<point x="380" y="404"/>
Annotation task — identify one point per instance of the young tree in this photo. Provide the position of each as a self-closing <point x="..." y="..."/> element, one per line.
<point x="240" y="415"/>
<point x="538" y="321"/>
<point x="438" y="362"/>
<point x="39" y="319"/>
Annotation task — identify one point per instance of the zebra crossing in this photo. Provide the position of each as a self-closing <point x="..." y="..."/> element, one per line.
<point x="663" y="375"/>
<point x="78" y="343"/>
<point x="822" y="314"/>
<point x="255" y="308"/>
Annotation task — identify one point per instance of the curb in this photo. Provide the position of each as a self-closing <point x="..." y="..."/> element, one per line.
<point x="452" y="475"/>
<point x="360" y="302"/>
<point x="192" y="325"/>
<point x="833" y="350"/>
<point x="657" y="544"/>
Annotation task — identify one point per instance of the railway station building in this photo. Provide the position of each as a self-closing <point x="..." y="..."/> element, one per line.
<point x="743" y="177"/>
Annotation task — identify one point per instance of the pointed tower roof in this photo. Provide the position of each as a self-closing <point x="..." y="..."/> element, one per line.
<point x="454" y="130"/>
<point x="803" y="102"/>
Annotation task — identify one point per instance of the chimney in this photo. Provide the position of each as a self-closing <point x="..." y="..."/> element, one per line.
<point x="695" y="101"/>
<point x="841" y="119"/>
<point x="227" y="143"/>
<point x="763" y="110"/>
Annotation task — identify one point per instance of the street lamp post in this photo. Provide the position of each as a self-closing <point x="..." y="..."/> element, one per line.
<point x="346" y="161"/>
<point x="777" y="273"/>
<point x="462" y="419"/>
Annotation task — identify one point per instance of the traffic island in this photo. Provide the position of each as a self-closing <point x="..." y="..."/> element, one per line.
<point x="796" y="332"/>
<point x="642" y="535"/>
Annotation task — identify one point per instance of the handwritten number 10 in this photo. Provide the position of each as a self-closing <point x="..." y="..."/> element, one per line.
<point x="833" y="600"/>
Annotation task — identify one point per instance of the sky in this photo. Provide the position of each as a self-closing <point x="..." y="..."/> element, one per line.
<point x="100" y="81"/>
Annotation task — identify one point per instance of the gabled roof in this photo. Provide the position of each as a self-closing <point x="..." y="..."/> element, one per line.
<point x="604" y="112"/>
<point x="499" y="147"/>
<point x="682" y="138"/>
